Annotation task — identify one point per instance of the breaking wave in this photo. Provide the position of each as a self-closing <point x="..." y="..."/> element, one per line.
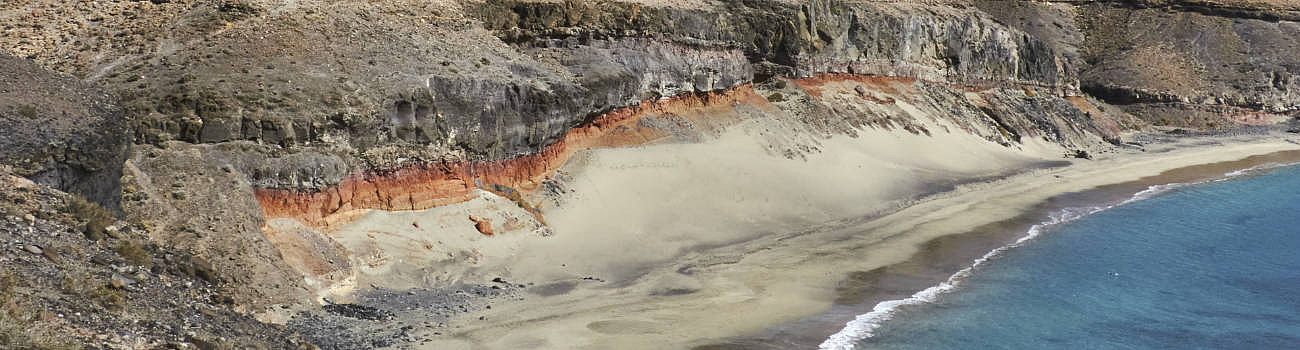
<point x="865" y="325"/>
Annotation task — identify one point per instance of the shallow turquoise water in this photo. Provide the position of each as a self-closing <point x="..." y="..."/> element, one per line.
<point x="1205" y="266"/>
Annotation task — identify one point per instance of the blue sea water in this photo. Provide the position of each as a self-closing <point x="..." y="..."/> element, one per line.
<point x="1203" y="266"/>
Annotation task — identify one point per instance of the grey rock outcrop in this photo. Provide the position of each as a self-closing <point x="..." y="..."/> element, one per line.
<point x="932" y="42"/>
<point x="499" y="119"/>
<point x="61" y="132"/>
<point x="1159" y="57"/>
<point x="1206" y="64"/>
<point x="503" y="78"/>
<point x="378" y="86"/>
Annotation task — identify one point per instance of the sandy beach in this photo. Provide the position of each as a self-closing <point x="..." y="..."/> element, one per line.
<point x="688" y="245"/>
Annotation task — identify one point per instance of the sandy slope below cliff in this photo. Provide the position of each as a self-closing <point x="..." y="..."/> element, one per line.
<point x="623" y="211"/>
<point x="655" y="222"/>
<point x="623" y="220"/>
<point x="614" y="214"/>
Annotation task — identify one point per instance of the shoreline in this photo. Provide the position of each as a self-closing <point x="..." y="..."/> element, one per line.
<point x="931" y="267"/>
<point x="1058" y="210"/>
<point x="742" y="292"/>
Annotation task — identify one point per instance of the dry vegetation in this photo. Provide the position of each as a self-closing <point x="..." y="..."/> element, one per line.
<point x="96" y="218"/>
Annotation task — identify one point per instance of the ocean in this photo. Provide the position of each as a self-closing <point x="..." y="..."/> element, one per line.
<point x="1210" y="265"/>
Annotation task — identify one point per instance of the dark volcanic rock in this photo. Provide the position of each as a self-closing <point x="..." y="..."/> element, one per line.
<point x="358" y="312"/>
<point x="381" y="317"/>
<point x="61" y="132"/>
<point x="495" y="80"/>
<point x="1189" y="68"/>
<point x="887" y="38"/>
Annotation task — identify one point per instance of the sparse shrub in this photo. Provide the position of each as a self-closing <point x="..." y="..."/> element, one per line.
<point x="75" y="284"/>
<point x="12" y="332"/>
<point x="90" y="288"/>
<point x="28" y="111"/>
<point x="7" y="210"/>
<point x="108" y="297"/>
<point x="69" y="285"/>
<point x="134" y="253"/>
<point x="52" y="254"/>
<point x="204" y="270"/>
<point x="58" y="344"/>
<point x="775" y="97"/>
<point x="95" y="216"/>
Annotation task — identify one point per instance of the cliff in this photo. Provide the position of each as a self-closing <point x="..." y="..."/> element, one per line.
<point x="61" y="132"/>
<point x="1199" y="64"/>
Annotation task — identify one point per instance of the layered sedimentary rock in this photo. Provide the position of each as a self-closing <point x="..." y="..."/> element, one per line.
<point x="355" y="87"/>
<point x="432" y="184"/>
<point x="828" y="103"/>
<point x="609" y="55"/>
<point x="961" y="45"/>
<point x="510" y="78"/>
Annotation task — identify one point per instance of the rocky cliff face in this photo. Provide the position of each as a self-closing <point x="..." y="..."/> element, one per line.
<point x="335" y="90"/>
<point x="549" y="67"/>
<point x="61" y="132"/>
<point x="896" y="39"/>
<point x="368" y="89"/>
<point x="603" y="57"/>
<point x="1161" y="63"/>
<point x="1200" y="64"/>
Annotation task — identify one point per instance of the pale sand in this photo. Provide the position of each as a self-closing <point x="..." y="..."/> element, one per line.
<point x="693" y="242"/>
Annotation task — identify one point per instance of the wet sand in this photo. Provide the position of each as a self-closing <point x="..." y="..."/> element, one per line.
<point x="941" y="257"/>
<point x="760" y="262"/>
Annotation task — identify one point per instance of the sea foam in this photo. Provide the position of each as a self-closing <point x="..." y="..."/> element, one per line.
<point x="865" y="325"/>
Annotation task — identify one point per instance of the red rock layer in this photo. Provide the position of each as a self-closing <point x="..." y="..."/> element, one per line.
<point x="430" y="185"/>
<point x="887" y="85"/>
<point x="1247" y="117"/>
